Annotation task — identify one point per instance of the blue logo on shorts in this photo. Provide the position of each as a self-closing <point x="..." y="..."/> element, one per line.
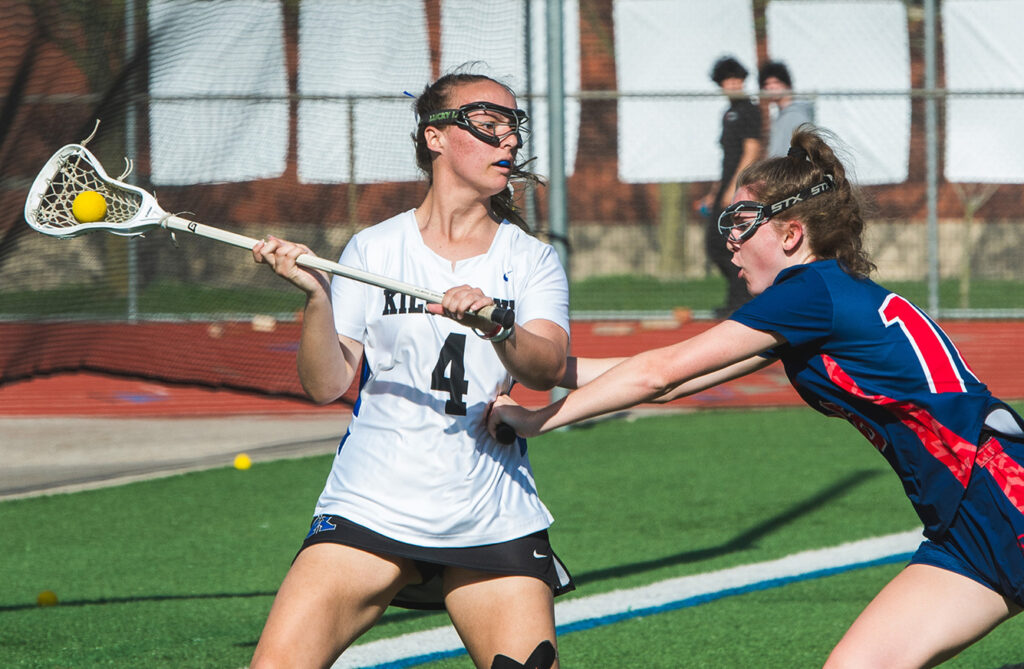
<point x="320" y="524"/>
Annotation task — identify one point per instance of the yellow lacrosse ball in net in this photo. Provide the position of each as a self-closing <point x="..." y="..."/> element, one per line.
<point x="89" y="207"/>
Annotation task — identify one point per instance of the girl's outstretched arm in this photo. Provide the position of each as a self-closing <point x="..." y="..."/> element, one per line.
<point x="721" y="353"/>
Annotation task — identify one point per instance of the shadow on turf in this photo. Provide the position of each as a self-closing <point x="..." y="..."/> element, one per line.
<point x="144" y="598"/>
<point x="742" y="541"/>
<point x="392" y="617"/>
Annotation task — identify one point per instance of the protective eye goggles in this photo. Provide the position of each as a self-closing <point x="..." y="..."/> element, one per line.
<point x="746" y="216"/>
<point x="488" y="122"/>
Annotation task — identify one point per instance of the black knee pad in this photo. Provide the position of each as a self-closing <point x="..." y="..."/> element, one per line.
<point x="542" y="657"/>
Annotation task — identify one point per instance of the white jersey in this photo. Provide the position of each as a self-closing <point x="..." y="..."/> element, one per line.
<point x="417" y="464"/>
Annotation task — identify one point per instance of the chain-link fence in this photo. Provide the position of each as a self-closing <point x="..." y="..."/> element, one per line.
<point x="292" y="117"/>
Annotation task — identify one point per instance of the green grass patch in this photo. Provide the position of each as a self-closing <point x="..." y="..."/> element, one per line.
<point x="158" y="297"/>
<point x="647" y="293"/>
<point x="983" y="294"/>
<point x="181" y="571"/>
<point x="628" y="293"/>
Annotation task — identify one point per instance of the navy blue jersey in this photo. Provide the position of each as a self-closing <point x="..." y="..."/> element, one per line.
<point x="858" y="351"/>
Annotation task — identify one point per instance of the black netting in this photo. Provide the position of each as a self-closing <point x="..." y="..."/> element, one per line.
<point x="290" y="118"/>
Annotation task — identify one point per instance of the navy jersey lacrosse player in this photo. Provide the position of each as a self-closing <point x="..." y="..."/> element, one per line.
<point x="854" y="350"/>
<point x="860" y="352"/>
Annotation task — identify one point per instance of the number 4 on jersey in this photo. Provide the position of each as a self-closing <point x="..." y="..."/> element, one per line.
<point x="451" y="359"/>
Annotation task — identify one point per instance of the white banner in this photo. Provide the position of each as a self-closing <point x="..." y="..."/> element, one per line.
<point x="669" y="46"/>
<point x="350" y="47"/>
<point x="851" y="47"/>
<point x="982" y="52"/>
<point x="217" y="140"/>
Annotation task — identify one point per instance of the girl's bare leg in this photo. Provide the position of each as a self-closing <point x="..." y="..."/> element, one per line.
<point x="330" y="596"/>
<point x="923" y="617"/>
<point x="493" y="614"/>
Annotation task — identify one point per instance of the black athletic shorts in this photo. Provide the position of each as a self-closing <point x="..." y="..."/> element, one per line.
<point x="526" y="556"/>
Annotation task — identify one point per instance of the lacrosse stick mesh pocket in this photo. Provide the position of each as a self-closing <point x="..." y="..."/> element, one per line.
<point x="76" y="174"/>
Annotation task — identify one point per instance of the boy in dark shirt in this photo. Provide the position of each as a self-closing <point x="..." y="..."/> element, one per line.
<point x="741" y="146"/>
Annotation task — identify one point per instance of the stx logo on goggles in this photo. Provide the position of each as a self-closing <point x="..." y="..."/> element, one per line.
<point x="816" y="189"/>
<point x="786" y="204"/>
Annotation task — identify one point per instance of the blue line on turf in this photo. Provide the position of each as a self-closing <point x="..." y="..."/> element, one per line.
<point x="591" y="623"/>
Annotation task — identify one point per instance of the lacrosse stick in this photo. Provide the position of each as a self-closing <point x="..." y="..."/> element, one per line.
<point x="132" y="211"/>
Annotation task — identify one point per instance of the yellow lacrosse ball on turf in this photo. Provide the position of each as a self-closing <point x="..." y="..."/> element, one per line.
<point x="89" y="207"/>
<point x="242" y="461"/>
<point x="47" y="598"/>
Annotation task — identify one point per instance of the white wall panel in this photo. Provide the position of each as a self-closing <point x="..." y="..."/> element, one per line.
<point x="204" y="141"/>
<point x="669" y="46"/>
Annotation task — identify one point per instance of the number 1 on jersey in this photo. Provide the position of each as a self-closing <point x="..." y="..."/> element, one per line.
<point x="451" y="359"/>
<point x="935" y="358"/>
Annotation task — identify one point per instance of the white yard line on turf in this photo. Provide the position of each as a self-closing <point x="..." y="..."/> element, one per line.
<point x="676" y="593"/>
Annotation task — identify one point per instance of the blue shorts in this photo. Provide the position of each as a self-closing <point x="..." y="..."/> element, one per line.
<point x="985" y="541"/>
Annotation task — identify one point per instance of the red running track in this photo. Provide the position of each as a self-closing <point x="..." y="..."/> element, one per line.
<point x="990" y="347"/>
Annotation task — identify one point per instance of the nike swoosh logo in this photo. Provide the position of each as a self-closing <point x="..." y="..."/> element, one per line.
<point x="537" y="555"/>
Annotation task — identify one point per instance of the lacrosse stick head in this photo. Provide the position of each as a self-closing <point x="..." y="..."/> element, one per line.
<point x="73" y="170"/>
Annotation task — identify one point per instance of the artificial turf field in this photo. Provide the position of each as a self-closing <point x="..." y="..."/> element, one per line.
<point x="181" y="571"/>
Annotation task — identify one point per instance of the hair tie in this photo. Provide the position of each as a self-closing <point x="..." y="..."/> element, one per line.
<point x="797" y="152"/>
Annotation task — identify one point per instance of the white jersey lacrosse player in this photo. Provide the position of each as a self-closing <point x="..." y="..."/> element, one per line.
<point x="417" y="464"/>
<point x="422" y="508"/>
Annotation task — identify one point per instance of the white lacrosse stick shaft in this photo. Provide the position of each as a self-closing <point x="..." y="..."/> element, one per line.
<point x="132" y="211"/>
